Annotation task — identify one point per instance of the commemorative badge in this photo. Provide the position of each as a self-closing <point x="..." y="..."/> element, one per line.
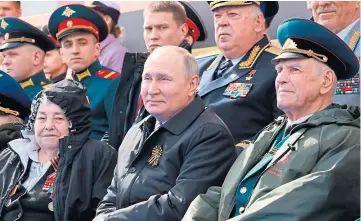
<point x="235" y="90"/>
<point x="156" y="154"/>
<point x="251" y="75"/>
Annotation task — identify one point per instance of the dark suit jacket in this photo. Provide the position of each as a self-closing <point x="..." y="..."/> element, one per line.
<point x="244" y="116"/>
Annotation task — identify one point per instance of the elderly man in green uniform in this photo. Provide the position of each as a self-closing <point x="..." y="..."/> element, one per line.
<point x="304" y="165"/>
<point x="79" y="30"/>
<point x="23" y="50"/>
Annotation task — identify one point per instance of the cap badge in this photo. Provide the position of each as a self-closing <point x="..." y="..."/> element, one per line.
<point x="68" y="12"/>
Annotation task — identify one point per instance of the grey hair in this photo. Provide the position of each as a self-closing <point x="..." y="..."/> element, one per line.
<point x="190" y="65"/>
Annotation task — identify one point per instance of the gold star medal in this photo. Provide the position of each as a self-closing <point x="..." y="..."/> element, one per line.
<point x="156" y="154"/>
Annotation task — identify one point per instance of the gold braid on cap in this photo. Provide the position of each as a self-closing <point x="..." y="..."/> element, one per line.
<point x="9" y="111"/>
<point x="216" y="4"/>
<point x="291" y="46"/>
<point x="22" y="39"/>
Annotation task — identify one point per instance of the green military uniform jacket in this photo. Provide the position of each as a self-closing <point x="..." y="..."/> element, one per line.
<point x="34" y="84"/>
<point x="315" y="175"/>
<point x="101" y="83"/>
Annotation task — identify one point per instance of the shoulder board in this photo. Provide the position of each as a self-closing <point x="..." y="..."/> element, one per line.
<point x="107" y="74"/>
<point x="205" y="52"/>
<point x="275" y="47"/>
<point x="46" y="86"/>
<point x="273" y="50"/>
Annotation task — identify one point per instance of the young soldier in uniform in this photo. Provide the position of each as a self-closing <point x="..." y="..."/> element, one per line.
<point x="54" y="66"/>
<point x="79" y="30"/>
<point x="23" y="50"/>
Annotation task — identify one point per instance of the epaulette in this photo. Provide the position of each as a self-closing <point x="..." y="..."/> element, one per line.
<point x="27" y="83"/>
<point x="273" y="50"/>
<point x="45" y="86"/>
<point x="243" y="144"/>
<point x="107" y="74"/>
<point x="205" y="52"/>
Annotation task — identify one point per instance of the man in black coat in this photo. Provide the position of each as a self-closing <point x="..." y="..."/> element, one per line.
<point x="175" y="153"/>
<point x="181" y="22"/>
<point x="239" y="83"/>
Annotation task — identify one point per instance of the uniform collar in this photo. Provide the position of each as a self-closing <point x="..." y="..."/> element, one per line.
<point x="109" y="39"/>
<point x="91" y="70"/>
<point x="185" y="117"/>
<point x="37" y="79"/>
<point x="250" y="58"/>
<point x="342" y="34"/>
<point x="59" y="77"/>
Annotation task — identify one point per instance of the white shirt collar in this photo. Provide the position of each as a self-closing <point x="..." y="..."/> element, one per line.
<point x="342" y="34"/>
<point x="235" y="60"/>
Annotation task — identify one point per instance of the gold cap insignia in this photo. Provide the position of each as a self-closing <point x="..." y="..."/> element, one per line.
<point x="156" y="154"/>
<point x="4" y="24"/>
<point x="69" y="24"/>
<point x="68" y="12"/>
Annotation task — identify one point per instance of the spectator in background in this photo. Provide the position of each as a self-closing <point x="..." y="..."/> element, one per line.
<point x="23" y="50"/>
<point x="10" y="9"/>
<point x="54" y="66"/>
<point x="80" y="50"/>
<point x="238" y="83"/>
<point x="343" y="18"/>
<point x="111" y="51"/>
<point x="14" y="108"/>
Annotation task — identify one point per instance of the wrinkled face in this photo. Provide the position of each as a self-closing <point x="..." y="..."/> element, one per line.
<point x="233" y="26"/>
<point x="9" y="9"/>
<point x="335" y="15"/>
<point x="79" y="50"/>
<point x="53" y="63"/>
<point x="50" y="125"/>
<point x="298" y="83"/>
<point x="165" y="89"/>
<point x="17" y="62"/>
<point x="160" y="29"/>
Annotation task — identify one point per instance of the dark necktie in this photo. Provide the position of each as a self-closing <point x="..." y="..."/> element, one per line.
<point x="222" y="68"/>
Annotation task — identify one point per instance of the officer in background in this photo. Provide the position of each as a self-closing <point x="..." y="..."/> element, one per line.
<point x="14" y="108"/>
<point x="54" y="66"/>
<point x="239" y="83"/>
<point x="128" y="107"/>
<point x="23" y="50"/>
<point x="79" y="30"/>
<point x="343" y="18"/>
<point x="10" y="9"/>
<point x="112" y="52"/>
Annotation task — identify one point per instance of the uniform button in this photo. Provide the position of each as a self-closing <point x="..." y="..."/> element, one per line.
<point x="241" y="209"/>
<point x="121" y="112"/>
<point x="69" y="147"/>
<point x="7" y="202"/>
<point x="243" y="190"/>
<point x="132" y="170"/>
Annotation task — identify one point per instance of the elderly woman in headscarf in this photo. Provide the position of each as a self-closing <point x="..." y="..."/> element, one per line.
<point x="14" y="108"/>
<point x="55" y="172"/>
